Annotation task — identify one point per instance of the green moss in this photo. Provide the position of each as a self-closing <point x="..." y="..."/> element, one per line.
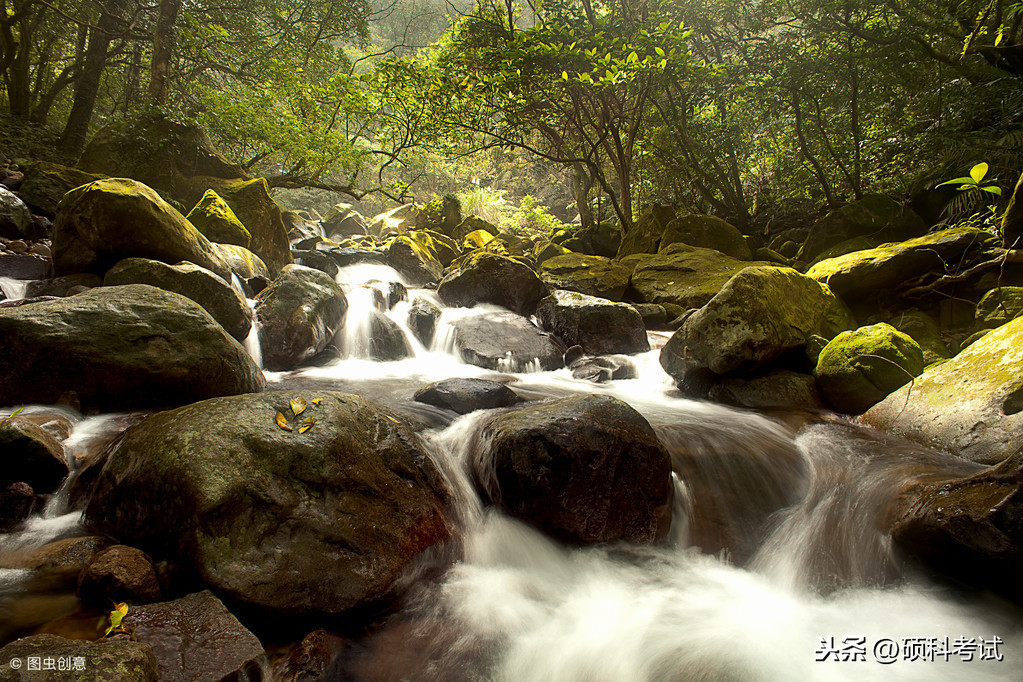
<point x="217" y="222"/>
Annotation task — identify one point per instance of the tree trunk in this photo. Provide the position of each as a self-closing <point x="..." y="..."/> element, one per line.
<point x="87" y="87"/>
<point x="163" y="48"/>
<point x="581" y="185"/>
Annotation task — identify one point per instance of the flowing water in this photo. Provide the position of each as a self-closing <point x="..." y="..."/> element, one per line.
<point x="776" y="567"/>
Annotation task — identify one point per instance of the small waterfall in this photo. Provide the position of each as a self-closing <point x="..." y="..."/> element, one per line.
<point x="13" y="289"/>
<point x="251" y="342"/>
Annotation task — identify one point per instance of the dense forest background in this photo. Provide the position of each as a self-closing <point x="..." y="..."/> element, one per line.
<point x="755" y="111"/>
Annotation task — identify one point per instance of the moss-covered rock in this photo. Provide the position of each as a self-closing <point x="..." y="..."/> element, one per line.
<point x="971" y="406"/>
<point x="217" y="222"/>
<point x="242" y="262"/>
<point x="477" y="239"/>
<point x="213" y="293"/>
<point x="848" y="246"/>
<point x="998" y="306"/>
<point x="598" y="325"/>
<point x="114" y="660"/>
<point x="120" y="347"/>
<point x="923" y="329"/>
<point x="645" y="235"/>
<point x="1012" y="219"/>
<point x="472" y="224"/>
<point x="584" y="469"/>
<point x="252" y="204"/>
<point x="708" y="232"/>
<point x="545" y="250"/>
<point x="683" y="275"/>
<point x="415" y="258"/>
<point x="858" y="368"/>
<point x="592" y="275"/>
<point x="106" y="221"/>
<point x="299" y="313"/>
<point x="490" y="278"/>
<point x="875" y="215"/>
<point x="603" y="239"/>
<point x="861" y="273"/>
<point x="314" y="521"/>
<point x="45" y="184"/>
<point x="760" y="315"/>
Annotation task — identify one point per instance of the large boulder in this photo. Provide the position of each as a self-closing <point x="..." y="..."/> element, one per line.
<point x="119" y="574"/>
<point x="317" y="512"/>
<point x="781" y="388"/>
<point x="242" y="262"/>
<point x="470" y="225"/>
<point x="584" y="469"/>
<point x="860" y="273"/>
<point x="415" y="259"/>
<point x="598" y="325"/>
<point x="252" y="204"/>
<point x="15" y="218"/>
<point x="466" y="395"/>
<point x="343" y="221"/>
<point x="858" y="368"/>
<point x="114" y="660"/>
<point x="593" y="275"/>
<point x="603" y="239"/>
<point x="998" y="306"/>
<point x="489" y="278"/>
<point x="46" y="184"/>
<point x="759" y="316"/>
<point x="210" y="291"/>
<point x="683" y="275"/>
<point x="708" y="232"/>
<point x="422" y="320"/>
<point x="645" y="235"/>
<point x="298" y="314"/>
<point x="106" y="221"/>
<point x="506" y="342"/>
<point x="120" y="347"/>
<point x="875" y="215"/>
<point x="29" y="454"/>
<point x="971" y="406"/>
<point x="168" y="155"/>
<point x="217" y="222"/>
<point x="197" y="638"/>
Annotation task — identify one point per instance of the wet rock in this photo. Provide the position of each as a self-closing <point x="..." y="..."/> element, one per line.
<point x="422" y="320"/>
<point x="654" y="315"/>
<point x="317" y="522"/>
<point x="119" y="574"/>
<point x="708" y="232"/>
<point x="26" y="266"/>
<point x="15" y="218"/>
<point x="489" y="278"/>
<point x="971" y="406"/>
<point x="645" y="235"/>
<point x="683" y="275"/>
<point x="602" y="369"/>
<point x="311" y="658"/>
<point x="46" y="184"/>
<point x="317" y="260"/>
<point x="31" y="455"/>
<point x="210" y="291"/>
<point x="779" y="389"/>
<point x="386" y="339"/>
<point x="17" y="503"/>
<point x="197" y="638"/>
<point x="217" y="222"/>
<point x="862" y="273"/>
<point x="120" y="347"/>
<point x="62" y="286"/>
<point x="67" y="556"/>
<point x="759" y="316"/>
<point x="506" y="342"/>
<point x="585" y="469"/>
<point x="350" y="256"/>
<point x="106" y="221"/>
<point x="243" y="263"/>
<point x="466" y="395"/>
<point x="396" y="292"/>
<point x="302" y="226"/>
<point x="343" y="221"/>
<point x="299" y="314"/>
<point x="251" y="202"/>
<point x="598" y="325"/>
<point x="970" y="528"/>
<point x="592" y="275"/>
<point x="415" y="260"/>
<point x="858" y="368"/>
<point x="874" y="215"/>
<point x="114" y="660"/>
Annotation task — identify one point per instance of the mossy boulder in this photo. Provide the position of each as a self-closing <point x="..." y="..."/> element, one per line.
<point x="586" y="469"/>
<point x="875" y="216"/>
<point x="923" y="329"/>
<point x="762" y="314"/>
<point x="45" y="184"/>
<point x="106" y="221"/>
<point x="415" y="257"/>
<point x="1012" y="219"/>
<point x="591" y="275"/>
<point x="242" y="262"/>
<point x="217" y="222"/>
<point x="113" y="660"/>
<point x="29" y="454"/>
<point x="998" y="306"/>
<point x="442" y="214"/>
<point x="489" y="278"/>
<point x="597" y="325"/>
<point x="683" y="275"/>
<point x="545" y="250"/>
<point x="848" y="246"/>
<point x="473" y="224"/>
<point x="858" y="368"/>
<point x="645" y="235"/>
<point x="299" y="313"/>
<point x="708" y="232"/>
<point x="210" y="291"/>
<point x="252" y="204"/>
<point x="971" y="406"/>
<point x="120" y="347"/>
<point x="861" y="273"/>
<point x="476" y="239"/>
<point x="603" y="239"/>
<point x="313" y="522"/>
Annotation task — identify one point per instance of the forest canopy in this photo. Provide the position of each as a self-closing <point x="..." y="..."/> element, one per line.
<point x="723" y="106"/>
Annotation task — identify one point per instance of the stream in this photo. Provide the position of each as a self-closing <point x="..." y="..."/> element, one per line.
<point x="776" y="567"/>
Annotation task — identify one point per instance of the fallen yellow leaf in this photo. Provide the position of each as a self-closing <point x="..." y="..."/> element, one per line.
<point x="317" y="401"/>
<point x="298" y="405"/>
<point x="282" y="422"/>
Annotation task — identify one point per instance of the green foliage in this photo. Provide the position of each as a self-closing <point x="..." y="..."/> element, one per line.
<point x="968" y="205"/>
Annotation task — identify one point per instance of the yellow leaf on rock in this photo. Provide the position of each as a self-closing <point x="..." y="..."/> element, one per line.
<point x="317" y="401"/>
<point x="298" y="405"/>
<point x="282" y="422"/>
